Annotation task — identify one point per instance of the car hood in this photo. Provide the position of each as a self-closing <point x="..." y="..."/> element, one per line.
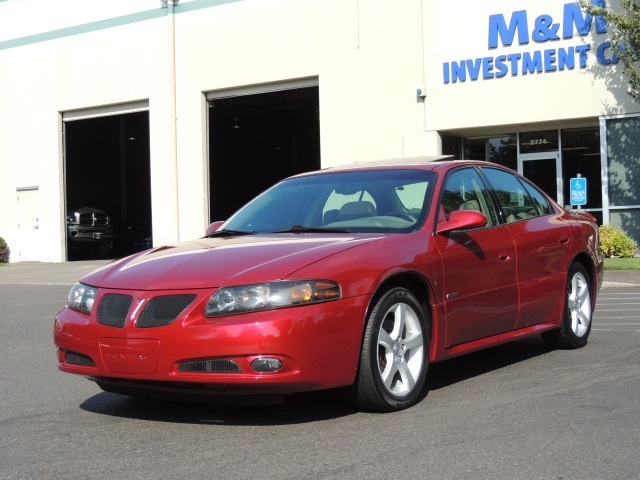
<point x="215" y="262"/>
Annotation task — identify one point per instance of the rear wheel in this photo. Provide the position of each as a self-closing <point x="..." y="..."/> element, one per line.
<point x="576" y="323"/>
<point x="395" y="352"/>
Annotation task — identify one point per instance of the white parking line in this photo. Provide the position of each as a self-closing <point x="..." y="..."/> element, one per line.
<point x="621" y="324"/>
<point x="613" y="330"/>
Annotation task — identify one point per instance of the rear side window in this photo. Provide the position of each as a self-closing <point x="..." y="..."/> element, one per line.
<point x="514" y="199"/>
<point x="541" y="202"/>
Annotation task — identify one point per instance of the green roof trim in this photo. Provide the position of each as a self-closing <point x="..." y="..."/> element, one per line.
<point x="110" y="23"/>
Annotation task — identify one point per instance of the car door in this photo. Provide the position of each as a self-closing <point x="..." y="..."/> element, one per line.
<point x="543" y="242"/>
<point x="479" y="266"/>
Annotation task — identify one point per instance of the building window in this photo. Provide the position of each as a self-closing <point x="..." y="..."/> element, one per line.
<point x="581" y="155"/>
<point x="623" y="152"/>
<point x="623" y="157"/>
<point x="451" y="145"/>
<point x="502" y="150"/>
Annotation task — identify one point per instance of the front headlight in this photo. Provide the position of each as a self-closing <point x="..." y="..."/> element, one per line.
<point x="267" y="296"/>
<point x="81" y="297"/>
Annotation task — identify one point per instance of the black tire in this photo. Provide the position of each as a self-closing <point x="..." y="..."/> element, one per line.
<point x="397" y="331"/>
<point x="578" y="312"/>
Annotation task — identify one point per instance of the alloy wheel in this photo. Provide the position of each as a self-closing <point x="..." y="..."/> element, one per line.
<point x="400" y="349"/>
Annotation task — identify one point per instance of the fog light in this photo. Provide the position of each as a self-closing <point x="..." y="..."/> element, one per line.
<point x="266" y="365"/>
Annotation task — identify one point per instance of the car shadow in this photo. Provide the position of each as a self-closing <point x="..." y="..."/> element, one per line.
<point x="305" y="407"/>
<point x="459" y="369"/>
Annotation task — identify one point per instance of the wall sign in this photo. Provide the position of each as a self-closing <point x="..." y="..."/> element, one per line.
<point x="536" y="142"/>
<point x="523" y="27"/>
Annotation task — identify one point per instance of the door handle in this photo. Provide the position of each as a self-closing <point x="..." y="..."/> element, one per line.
<point x="505" y="256"/>
<point x="564" y="239"/>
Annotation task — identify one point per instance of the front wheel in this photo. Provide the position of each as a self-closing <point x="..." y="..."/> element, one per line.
<point x="578" y="312"/>
<point x="395" y="354"/>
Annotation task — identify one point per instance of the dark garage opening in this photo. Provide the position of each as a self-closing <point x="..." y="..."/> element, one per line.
<point x="107" y="172"/>
<point x="257" y="140"/>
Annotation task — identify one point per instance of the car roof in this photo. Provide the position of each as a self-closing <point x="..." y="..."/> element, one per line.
<point x="418" y="163"/>
<point x="393" y="162"/>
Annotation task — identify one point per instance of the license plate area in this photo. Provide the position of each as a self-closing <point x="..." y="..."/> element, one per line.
<point x="130" y="355"/>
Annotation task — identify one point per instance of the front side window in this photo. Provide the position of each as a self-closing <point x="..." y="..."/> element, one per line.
<point x="465" y="190"/>
<point x="355" y="201"/>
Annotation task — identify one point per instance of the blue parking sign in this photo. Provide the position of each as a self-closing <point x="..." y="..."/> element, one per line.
<point x="578" y="191"/>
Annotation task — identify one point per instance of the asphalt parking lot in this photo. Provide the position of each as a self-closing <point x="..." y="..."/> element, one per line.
<point x="517" y="411"/>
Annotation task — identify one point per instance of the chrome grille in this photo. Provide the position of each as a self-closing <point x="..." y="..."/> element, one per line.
<point x="77" y="359"/>
<point x="163" y="310"/>
<point x="210" y="366"/>
<point x="93" y="219"/>
<point x="113" y="309"/>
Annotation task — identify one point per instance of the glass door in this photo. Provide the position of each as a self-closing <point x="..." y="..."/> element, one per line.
<point x="539" y="161"/>
<point x="544" y="171"/>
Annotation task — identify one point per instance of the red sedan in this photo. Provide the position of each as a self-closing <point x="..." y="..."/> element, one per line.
<point x="356" y="277"/>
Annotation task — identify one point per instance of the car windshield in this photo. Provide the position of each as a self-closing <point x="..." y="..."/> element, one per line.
<point x="357" y="201"/>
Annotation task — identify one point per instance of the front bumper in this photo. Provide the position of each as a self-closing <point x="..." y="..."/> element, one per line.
<point x="319" y="346"/>
<point x="76" y="233"/>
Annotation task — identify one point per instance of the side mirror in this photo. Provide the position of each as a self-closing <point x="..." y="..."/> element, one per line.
<point x="462" y="220"/>
<point x="213" y="227"/>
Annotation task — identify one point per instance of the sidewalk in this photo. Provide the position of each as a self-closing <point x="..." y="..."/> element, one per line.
<point x="621" y="278"/>
<point x="39" y="273"/>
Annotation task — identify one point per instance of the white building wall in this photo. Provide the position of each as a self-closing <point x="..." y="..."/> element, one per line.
<point x="98" y="68"/>
<point x="367" y="57"/>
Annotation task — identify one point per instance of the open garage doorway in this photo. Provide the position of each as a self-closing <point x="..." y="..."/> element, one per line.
<point x="107" y="186"/>
<point x="257" y="139"/>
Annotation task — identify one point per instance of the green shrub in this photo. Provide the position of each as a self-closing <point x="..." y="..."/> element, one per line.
<point x="615" y="243"/>
<point x="4" y="251"/>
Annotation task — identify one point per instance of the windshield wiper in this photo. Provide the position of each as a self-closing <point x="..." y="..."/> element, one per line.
<point x="229" y="233"/>
<point x="303" y="229"/>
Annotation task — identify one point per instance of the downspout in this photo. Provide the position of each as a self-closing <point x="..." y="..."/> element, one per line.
<point x="423" y="94"/>
<point x="173" y="122"/>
